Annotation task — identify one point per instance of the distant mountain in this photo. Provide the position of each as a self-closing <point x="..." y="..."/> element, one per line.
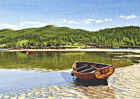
<point x="52" y="35"/>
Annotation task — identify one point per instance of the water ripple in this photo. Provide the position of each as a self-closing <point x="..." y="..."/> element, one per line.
<point x="125" y="82"/>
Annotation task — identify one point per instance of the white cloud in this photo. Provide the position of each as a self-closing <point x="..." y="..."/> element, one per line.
<point x="91" y="19"/>
<point x="65" y="21"/>
<point x="99" y="21"/>
<point x="73" y="22"/>
<point x="87" y="21"/>
<point x="129" y="17"/>
<point x="61" y="21"/>
<point x="10" y="26"/>
<point x="31" y="23"/>
<point x="22" y="25"/>
<point x="108" y="20"/>
<point x="43" y="24"/>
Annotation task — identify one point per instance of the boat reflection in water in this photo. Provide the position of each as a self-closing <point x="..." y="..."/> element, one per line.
<point x="31" y="52"/>
<point x="28" y="52"/>
<point x="97" y="89"/>
<point x="86" y="83"/>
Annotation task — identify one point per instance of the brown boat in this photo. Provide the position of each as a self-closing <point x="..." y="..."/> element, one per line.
<point x="91" y="70"/>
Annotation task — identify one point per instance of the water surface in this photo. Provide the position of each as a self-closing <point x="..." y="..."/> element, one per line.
<point x="21" y="71"/>
<point x="60" y="60"/>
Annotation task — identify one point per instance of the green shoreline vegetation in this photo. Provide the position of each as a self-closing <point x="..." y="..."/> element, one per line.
<point x="54" y="36"/>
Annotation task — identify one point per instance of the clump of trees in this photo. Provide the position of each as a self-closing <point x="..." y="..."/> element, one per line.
<point x="128" y="36"/>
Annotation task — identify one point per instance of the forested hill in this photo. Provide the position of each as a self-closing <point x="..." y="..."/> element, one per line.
<point x="51" y="35"/>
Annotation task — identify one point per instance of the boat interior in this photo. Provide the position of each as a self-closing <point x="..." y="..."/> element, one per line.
<point x="84" y="67"/>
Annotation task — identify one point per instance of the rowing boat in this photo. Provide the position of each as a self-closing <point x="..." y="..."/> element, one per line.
<point x="91" y="70"/>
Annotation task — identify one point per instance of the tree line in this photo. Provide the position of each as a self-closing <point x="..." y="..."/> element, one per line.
<point x="48" y="36"/>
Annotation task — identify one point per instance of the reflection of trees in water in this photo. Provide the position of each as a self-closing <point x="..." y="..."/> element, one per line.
<point x="134" y="59"/>
<point x="53" y="60"/>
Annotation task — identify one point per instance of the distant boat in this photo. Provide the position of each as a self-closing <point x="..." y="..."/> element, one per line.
<point x="92" y="71"/>
<point x="31" y="52"/>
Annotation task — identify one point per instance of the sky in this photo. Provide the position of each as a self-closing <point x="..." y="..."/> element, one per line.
<point x="91" y="15"/>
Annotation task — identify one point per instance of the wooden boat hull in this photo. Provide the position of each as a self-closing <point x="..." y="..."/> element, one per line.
<point x="85" y="76"/>
<point x="102" y="73"/>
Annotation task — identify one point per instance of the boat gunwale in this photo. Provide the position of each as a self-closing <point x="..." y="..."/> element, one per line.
<point x="96" y="71"/>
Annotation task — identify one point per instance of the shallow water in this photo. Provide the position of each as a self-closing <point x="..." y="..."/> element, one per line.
<point x="31" y="76"/>
<point x="17" y="78"/>
<point x="30" y="84"/>
<point x="17" y="81"/>
<point x="126" y="82"/>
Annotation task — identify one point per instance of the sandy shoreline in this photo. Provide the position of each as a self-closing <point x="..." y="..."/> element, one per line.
<point x="123" y="84"/>
<point x="80" y="50"/>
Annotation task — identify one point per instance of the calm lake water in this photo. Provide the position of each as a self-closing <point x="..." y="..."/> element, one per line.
<point x="29" y="70"/>
<point x="61" y="60"/>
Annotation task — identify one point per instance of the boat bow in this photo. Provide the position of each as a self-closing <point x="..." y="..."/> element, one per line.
<point x="100" y="74"/>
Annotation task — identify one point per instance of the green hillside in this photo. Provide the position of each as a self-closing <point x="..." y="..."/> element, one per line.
<point x="52" y="35"/>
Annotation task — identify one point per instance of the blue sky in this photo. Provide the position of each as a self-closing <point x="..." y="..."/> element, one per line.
<point x="89" y="15"/>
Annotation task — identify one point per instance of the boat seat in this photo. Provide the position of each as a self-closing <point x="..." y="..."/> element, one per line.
<point x="93" y="66"/>
<point x="81" y="67"/>
<point x="86" y="70"/>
